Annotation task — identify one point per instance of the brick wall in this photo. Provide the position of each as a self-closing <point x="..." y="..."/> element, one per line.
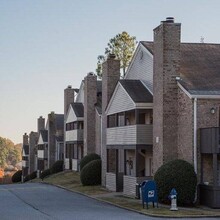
<point x="33" y="138"/>
<point x="166" y="69"/>
<point x="185" y="127"/>
<point x="40" y="124"/>
<point x="110" y="77"/>
<point x="90" y="98"/>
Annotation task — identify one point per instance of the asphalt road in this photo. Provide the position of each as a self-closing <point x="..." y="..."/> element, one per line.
<point x="33" y="201"/>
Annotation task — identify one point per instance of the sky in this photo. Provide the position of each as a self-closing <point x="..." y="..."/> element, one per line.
<point x="46" y="45"/>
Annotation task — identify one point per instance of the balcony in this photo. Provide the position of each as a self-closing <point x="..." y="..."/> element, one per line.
<point x="130" y="135"/>
<point x="74" y="135"/>
<point x="209" y="140"/>
<point x="24" y="163"/>
<point x="42" y="154"/>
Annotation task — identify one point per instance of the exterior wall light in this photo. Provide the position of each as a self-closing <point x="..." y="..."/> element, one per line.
<point x="212" y="110"/>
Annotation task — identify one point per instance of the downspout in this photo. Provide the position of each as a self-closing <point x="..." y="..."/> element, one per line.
<point x="101" y="136"/>
<point x="195" y="136"/>
<point x="195" y="142"/>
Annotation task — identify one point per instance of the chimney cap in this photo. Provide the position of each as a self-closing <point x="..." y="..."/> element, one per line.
<point x="69" y="87"/>
<point x="111" y="56"/>
<point x="90" y="74"/>
<point x="52" y="112"/>
<point x="170" y="19"/>
<point x="41" y="116"/>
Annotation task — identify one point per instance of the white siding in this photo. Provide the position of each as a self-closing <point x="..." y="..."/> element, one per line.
<point x="142" y="67"/>
<point x="130" y="135"/>
<point x="40" y="140"/>
<point x="111" y="181"/>
<point x="40" y="154"/>
<point x="75" y="164"/>
<point x="130" y="185"/>
<point x="80" y="95"/>
<point x="67" y="165"/>
<point x="74" y="135"/>
<point x="24" y="163"/>
<point x="71" y="115"/>
<point x="120" y="101"/>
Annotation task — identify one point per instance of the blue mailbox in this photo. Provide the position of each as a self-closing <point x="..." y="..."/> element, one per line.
<point x="149" y="192"/>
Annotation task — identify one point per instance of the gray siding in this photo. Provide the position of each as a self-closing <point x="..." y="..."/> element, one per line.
<point x="120" y="101"/>
<point x="142" y="67"/>
<point x="130" y="135"/>
<point x="111" y="181"/>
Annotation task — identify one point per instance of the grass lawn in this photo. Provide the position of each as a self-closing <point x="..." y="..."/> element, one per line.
<point x="71" y="181"/>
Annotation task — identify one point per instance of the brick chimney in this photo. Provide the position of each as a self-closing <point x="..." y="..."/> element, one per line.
<point x="69" y="94"/>
<point x="165" y="90"/>
<point x="90" y="98"/>
<point x="25" y="139"/>
<point x="110" y="77"/>
<point x="33" y="138"/>
<point x="40" y="124"/>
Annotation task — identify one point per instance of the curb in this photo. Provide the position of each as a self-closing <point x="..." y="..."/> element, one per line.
<point x="130" y="209"/>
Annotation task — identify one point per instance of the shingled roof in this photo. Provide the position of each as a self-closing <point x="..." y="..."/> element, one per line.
<point x="59" y="121"/>
<point x="26" y="149"/>
<point x="78" y="109"/>
<point x="199" y="67"/>
<point x="137" y="91"/>
<point x="44" y="135"/>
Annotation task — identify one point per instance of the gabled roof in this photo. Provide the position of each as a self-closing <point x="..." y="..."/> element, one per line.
<point x="129" y="94"/>
<point x="137" y="91"/>
<point x="199" y="67"/>
<point x="59" y="121"/>
<point x="78" y="108"/>
<point x="44" y="135"/>
<point x="149" y="45"/>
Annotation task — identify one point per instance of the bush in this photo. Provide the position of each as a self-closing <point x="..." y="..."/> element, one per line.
<point x="91" y="173"/>
<point x="57" y="167"/>
<point x="45" y="173"/>
<point x="17" y="176"/>
<point x="180" y="175"/>
<point x="90" y="157"/>
<point x="31" y="176"/>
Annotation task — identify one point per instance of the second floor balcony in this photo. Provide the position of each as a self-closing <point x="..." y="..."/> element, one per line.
<point x="130" y="135"/>
<point x="134" y="127"/>
<point x="74" y="135"/>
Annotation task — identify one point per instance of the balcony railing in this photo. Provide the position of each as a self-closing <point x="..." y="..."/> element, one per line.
<point x="42" y="154"/>
<point x="74" y="135"/>
<point x="24" y="163"/>
<point x="130" y="135"/>
<point x="209" y="140"/>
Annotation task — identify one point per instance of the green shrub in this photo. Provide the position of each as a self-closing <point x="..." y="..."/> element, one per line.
<point x="180" y="175"/>
<point x="57" y="166"/>
<point x="31" y="176"/>
<point x="87" y="159"/>
<point x="45" y="173"/>
<point x="16" y="176"/>
<point x="91" y="173"/>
